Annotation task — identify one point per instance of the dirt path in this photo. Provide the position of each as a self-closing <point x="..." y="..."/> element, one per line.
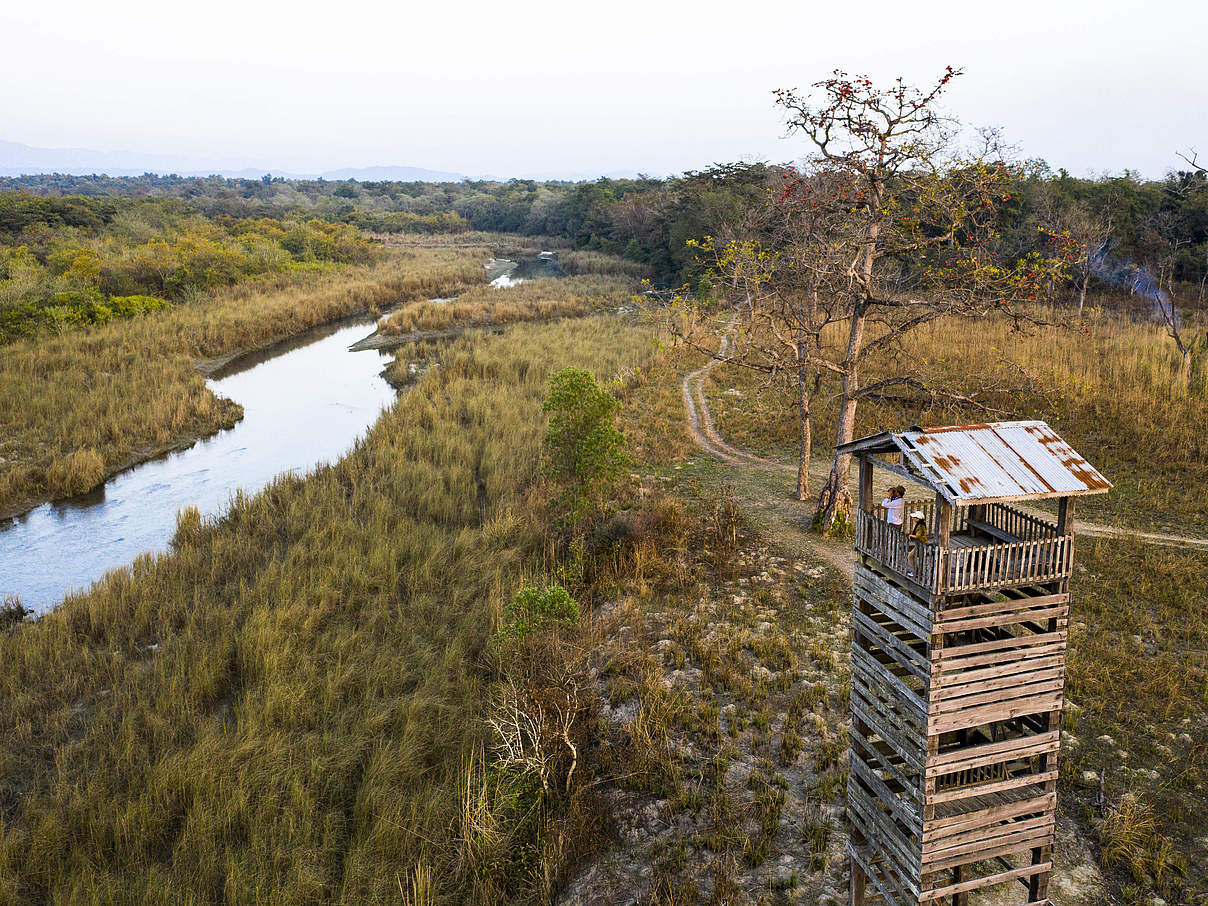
<point x="705" y="433"/>
<point x="756" y="480"/>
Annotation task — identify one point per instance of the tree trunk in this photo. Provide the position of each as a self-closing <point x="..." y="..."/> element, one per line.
<point x="835" y="500"/>
<point x="806" y="425"/>
<point x="1086" y="278"/>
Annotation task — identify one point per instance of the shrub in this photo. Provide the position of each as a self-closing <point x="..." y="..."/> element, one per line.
<point x="586" y="450"/>
<point x="532" y="609"/>
<point x="12" y="612"/>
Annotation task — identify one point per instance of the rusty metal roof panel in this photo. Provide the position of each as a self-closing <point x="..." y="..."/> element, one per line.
<point x="1000" y="461"/>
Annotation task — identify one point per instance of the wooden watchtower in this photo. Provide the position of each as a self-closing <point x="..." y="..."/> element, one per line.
<point x="958" y="662"/>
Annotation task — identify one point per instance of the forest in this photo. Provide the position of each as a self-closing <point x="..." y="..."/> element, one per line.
<point x="1127" y="220"/>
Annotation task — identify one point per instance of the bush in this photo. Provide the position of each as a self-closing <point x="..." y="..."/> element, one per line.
<point x="586" y="450"/>
<point x="12" y="613"/>
<point x="532" y="609"/>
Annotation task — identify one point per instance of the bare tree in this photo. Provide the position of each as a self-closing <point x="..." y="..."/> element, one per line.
<point x="1159" y="242"/>
<point x="1192" y="157"/>
<point x="918" y="239"/>
<point x="1081" y="236"/>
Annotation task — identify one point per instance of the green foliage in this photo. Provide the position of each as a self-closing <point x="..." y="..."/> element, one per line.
<point x="78" y="261"/>
<point x="586" y="450"/>
<point x="532" y="609"/>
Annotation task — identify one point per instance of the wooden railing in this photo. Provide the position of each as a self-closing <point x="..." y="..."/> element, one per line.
<point x="959" y="569"/>
<point x="1016" y="563"/>
<point x="889" y="545"/>
<point x="912" y="506"/>
<point x="1006" y="519"/>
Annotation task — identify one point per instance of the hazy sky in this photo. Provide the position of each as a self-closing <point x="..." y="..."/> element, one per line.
<point x="566" y="88"/>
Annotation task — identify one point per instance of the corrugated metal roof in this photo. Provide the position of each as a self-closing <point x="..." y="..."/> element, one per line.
<point x="999" y="461"/>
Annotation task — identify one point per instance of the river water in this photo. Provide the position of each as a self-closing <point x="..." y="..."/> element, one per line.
<point x="304" y="403"/>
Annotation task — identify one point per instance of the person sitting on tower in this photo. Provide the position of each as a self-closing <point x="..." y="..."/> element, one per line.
<point x="917" y="538"/>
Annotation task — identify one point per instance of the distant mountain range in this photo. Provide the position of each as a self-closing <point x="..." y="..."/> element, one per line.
<point x="21" y="160"/>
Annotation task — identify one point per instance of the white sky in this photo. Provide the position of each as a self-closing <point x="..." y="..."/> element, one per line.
<point x="530" y="87"/>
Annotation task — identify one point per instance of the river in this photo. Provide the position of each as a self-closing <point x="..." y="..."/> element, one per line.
<point x="304" y="402"/>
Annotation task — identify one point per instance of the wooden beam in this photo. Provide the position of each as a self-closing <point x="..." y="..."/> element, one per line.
<point x="857" y="883"/>
<point x="940" y="892"/>
<point x="943" y="520"/>
<point x="866" y="500"/>
<point x="901" y="472"/>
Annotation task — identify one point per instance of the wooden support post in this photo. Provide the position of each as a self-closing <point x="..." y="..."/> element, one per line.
<point x="857" y="883"/>
<point x="1065" y="516"/>
<point x="1038" y="886"/>
<point x="959" y="874"/>
<point x="943" y="521"/>
<point x="866" y="498"/>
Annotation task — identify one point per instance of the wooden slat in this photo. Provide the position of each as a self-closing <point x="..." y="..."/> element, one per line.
<point x="901" y="811"/>
<point x="973" y="648"/>
<point x="996" y="711"/>
<point x="961" y="672"/>
<point x="988" y="607"/>
<point x="948" y="890"/>
<point x="877" y="758"/>
<point x="995" y="697"/>
<point x="958" y="823"/>
<point x="906" y="611"/>
<point x="1006" y="676"/>
<point x="1005" y="846"/>
<point x="1000" y="786"/>
<point x="989" y="835"/>
<point x="890" y="839"/>
<point x="906" y="740"/>
<point x="874" y="673"/>
<point x="902" y="652"/>
<point x="894" y="890"/>
<point x="1005" y="618"/>
<point x="991" y="752"/>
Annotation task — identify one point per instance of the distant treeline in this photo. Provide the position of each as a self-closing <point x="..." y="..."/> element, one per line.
<point x="1124" y="220"/>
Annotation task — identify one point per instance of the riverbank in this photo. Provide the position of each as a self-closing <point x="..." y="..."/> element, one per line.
<point x="303" y="405"/>
<point x="84" y="405"/>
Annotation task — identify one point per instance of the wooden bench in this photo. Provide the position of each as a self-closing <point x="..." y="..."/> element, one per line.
<point x="987" y="528"/>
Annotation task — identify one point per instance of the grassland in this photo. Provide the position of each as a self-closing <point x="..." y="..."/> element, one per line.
<point x="282" y="709"/>
<point x="1113" y="386"/>
<point x="88" y="401"/>
<point x="532" y="300"/>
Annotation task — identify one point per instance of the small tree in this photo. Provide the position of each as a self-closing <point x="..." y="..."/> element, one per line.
<point x="585" y="449"/>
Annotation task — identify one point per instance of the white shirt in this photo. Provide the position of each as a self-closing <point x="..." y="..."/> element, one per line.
<point x="895" y="508"/>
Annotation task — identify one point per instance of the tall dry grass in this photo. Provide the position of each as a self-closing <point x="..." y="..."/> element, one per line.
<point x="1113" y="386"/>
<point x="130" y="388"/>
<point x="281" y="709"/>
<point x="532" y="300"/>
